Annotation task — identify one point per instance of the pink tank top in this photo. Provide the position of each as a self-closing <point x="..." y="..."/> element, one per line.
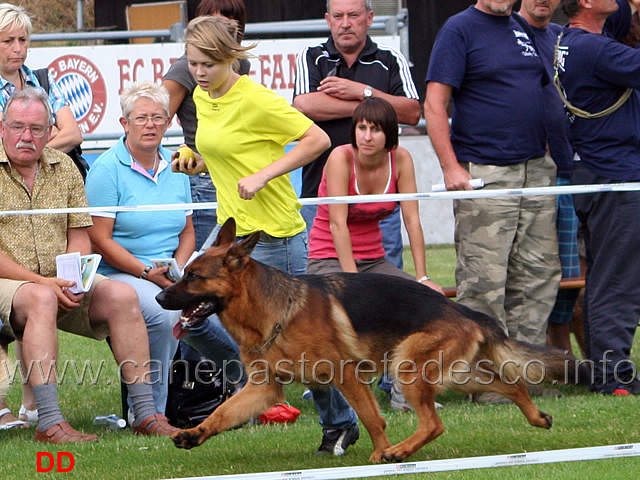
<point x="362" y="220"/>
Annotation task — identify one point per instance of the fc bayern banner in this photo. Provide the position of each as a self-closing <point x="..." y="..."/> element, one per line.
<point x="93" y="77"/>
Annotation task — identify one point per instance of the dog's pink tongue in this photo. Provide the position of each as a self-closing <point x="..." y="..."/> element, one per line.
<point x="178" y="331"/>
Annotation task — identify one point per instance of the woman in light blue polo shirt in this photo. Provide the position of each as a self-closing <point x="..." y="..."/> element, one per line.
<point x="137" y="171"/>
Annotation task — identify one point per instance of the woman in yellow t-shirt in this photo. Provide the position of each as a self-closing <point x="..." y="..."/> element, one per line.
<point x="242" y="130"/>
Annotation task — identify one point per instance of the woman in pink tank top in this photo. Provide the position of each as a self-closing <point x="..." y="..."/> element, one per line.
<point x="347" y="237"/>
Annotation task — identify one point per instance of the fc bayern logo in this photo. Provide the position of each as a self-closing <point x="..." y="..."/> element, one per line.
<point x="83" y="85"/>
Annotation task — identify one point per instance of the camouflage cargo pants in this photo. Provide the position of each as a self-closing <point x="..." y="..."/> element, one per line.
<point x="507" y="249"/>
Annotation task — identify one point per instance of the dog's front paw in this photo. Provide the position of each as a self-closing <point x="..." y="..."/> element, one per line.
<point x="376" y="457"/>
<point x="186" y="439"/>
<point x="393" y="457"/>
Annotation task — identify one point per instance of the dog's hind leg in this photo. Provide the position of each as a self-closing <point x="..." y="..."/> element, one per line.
<point x="251" y="401"/>
<point x="360" y="397"/>
<point x="486" y="380"/>
<point x="519" y="395"/>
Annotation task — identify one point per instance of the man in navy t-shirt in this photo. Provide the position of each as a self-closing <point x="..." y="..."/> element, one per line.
<point x="595" y="72"/>
<point x="538" y="15"/>
<point x="507" y="266"/>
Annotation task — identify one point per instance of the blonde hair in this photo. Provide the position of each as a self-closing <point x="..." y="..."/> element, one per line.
<point x="13" y="16"/>
<point x="216" y="37"/>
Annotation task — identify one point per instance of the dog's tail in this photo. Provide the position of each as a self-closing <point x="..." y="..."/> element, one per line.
<point x="536" y="364"/>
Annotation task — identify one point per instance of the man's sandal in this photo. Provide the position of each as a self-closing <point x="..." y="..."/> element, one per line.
<point x="63" y="433"/>
<point x="156" y="424"/>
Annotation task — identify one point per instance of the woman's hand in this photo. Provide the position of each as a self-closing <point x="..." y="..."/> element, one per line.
<point x="190" y="166"/>
<point x="433" y="285"/>
<point x="249" y="186"/>
<point x="157" y="276"/>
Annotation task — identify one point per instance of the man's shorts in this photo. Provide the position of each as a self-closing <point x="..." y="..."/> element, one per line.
<point x="75" y="321"/>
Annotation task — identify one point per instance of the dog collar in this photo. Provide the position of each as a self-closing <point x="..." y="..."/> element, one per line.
<point x="277" y="328"/>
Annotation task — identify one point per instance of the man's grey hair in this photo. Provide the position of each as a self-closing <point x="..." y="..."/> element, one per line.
<point x="152" y="91"/>
<point x="13" y="16"/>
<point x="28" y="95"/>
<point x="367" y="5"/>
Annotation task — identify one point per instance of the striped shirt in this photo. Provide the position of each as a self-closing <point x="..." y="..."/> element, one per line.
<point x="57" y="100"/>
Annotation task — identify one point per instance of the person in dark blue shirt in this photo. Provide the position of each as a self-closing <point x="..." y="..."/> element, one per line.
<point x="507" y="248"/>
<point x="538" y="15"/>
<point x="596" y="73"/>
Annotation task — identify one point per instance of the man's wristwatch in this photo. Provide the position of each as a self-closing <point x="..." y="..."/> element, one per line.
<point x="368" y="92"/>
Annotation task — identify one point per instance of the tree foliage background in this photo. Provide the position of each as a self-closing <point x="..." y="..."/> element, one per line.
<point x="57" y="15"/>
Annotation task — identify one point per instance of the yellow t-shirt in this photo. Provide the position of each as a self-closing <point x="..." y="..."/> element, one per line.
<point x="240" y="133"/>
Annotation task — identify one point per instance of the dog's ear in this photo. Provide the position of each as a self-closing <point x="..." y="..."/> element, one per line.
<point x="249" y="243"/>
<point x="227" y="234"/>
<point x="238" y="255"/>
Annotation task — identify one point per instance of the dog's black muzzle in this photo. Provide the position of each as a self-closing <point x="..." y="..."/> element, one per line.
<point x="168" y="299"/>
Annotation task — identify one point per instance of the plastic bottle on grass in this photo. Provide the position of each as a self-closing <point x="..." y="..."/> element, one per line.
<point x="114" y="422"/>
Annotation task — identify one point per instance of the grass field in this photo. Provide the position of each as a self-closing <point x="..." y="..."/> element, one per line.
<point x="581" y="419"/>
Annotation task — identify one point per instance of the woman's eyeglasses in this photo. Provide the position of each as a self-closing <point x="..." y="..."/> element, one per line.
<point x="143" y="119"/>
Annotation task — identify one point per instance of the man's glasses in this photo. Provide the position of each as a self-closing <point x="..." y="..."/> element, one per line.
<point x="36" y="130"/>
<point x="143" y="119"/>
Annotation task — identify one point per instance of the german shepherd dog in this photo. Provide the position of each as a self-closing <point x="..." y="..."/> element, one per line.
<point x="342" y="328"/>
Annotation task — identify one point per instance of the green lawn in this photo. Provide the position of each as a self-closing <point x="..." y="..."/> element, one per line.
<point x="581" y="419"/>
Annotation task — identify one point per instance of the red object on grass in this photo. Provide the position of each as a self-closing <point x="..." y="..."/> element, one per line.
<point x="280" y="413"/>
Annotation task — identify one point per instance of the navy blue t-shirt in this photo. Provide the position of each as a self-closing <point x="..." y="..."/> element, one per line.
<point x="595" y="70"/>
<point x="498" y="116"/>
<point x="555" y="117"/>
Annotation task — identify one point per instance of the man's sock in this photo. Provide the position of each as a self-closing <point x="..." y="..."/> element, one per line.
<point x="49" y="413"/>
<point x="141" y="397"/>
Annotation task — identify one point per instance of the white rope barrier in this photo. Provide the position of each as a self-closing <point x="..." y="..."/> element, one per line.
<point x="394" y="197"/>
<point x="469" y="463"/>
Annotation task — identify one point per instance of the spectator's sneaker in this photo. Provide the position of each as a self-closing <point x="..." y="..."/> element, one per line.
<point x="335" y="442"/>
<point x="632" y="388"/>
<point x="307" y="395"/>
<point x="397" y="400"/>
<point x="490" y="398"/>
<point x="539" y="391"/>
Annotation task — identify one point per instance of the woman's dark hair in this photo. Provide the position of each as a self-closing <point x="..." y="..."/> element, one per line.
<point x="233" y="9"/>
<point x="378" y="111"/>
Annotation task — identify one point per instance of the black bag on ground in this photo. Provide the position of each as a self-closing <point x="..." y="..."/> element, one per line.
<point x="42" y="74"/>
<point x="195" y="388"/>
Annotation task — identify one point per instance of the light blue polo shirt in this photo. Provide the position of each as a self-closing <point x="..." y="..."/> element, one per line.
<point x="113" y="182"/>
